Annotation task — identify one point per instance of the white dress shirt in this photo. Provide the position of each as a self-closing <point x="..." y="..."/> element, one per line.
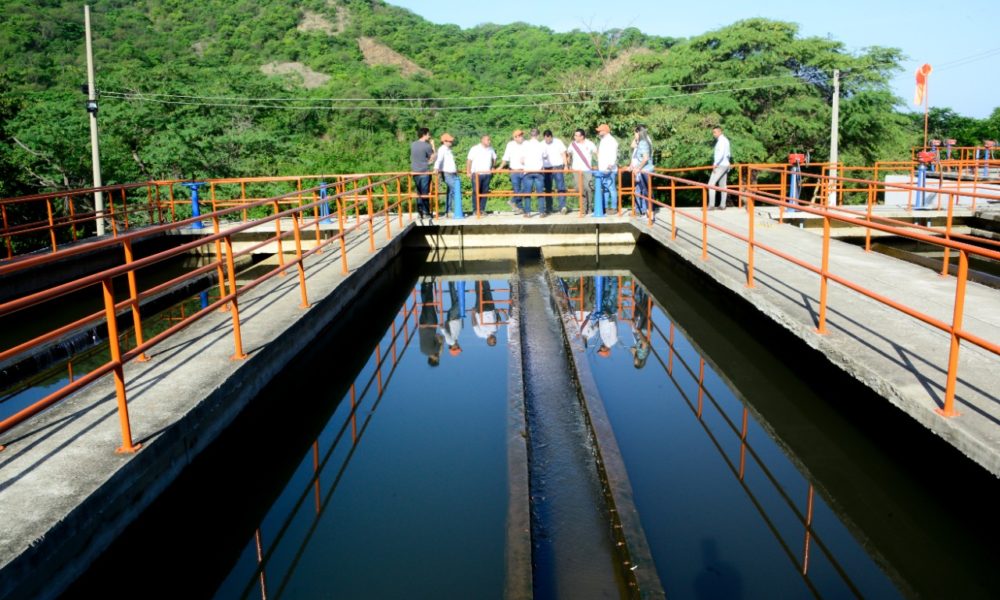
<point x="607" y="153"/>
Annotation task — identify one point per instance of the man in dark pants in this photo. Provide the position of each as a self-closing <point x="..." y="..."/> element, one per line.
<point x="421" y="156"/>
<point x="430" y="339"/>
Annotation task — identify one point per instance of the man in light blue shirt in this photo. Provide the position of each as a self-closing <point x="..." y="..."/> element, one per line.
<point x="720" y="168"/>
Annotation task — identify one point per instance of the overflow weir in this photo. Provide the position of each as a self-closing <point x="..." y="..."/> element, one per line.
<point x="72" y="496"/>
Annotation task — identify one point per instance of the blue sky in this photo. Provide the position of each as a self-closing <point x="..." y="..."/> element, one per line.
<point x="958" y="39"/>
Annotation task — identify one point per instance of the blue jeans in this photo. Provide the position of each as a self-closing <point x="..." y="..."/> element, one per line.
<point x="516" y="183"/>
<point x="531" y="182"/>
<point x="642" y="192"/>
<point x="423" y="185"/>
<point x="480" y="185"/>
<point x="454" y="194"/>
<point x="552" y="175"/>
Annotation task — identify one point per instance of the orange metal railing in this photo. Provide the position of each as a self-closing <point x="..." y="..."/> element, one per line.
<point x="830" y="215"/>
<point x="300" y="218"/>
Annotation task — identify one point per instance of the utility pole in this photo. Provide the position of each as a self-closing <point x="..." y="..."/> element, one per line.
<point x="834" y="138"/>
<point x="95" y="152"/>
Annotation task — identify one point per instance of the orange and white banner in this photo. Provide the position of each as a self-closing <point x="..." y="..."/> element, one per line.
<point x="921" y="94"/>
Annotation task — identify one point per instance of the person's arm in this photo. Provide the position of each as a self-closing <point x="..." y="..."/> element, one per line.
<point x="468" y="167"/>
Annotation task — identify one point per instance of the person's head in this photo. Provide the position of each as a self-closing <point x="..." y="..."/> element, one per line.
<point x="640" y="353"/>
<point x="485" y="141"/>
<point x="641" y="133"/>
<point x="423" y="133"/>
<point x="518" y="136"/>
<point x="716" y="131"/>
<point x="434" y="359"/>
<point x="547" y="134"/>
<point x="603" y="129"/>
<point x="534" y="133"/>
<point x="579" y="135"/>
<point x="446" y="138"/>
<point x="454" y="349"/>
<point x="603" y="351"/>
<point x="491" y="340"/>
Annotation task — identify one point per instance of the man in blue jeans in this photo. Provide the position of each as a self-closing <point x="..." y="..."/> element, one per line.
<point x="513" y="159"/>
<point x="421" y="157"/>
<point x="533" y="166"/>
<point x="445" y="164"/>
<point x="555" y="162"/>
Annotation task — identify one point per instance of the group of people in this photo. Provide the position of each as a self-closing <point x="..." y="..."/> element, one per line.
<point x="434" y="336"/>
<point x="539" y="163"/>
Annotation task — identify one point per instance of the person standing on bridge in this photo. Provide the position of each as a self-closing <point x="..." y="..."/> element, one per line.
<point x="430" y="339"/>
<point x="421" y="157"/>
<point x="479" y="165"/>
<point x="484" y="315"/>
<point x="642" y="168"/>
<point x="445" y="164"/>
<point x="534" y="164"/>
<point x="720" y="168"/>
<point x="607" y="163"/>
<point x="513" y="159"/>
<point x="554" y="155"/>
<point x="581" y="155"/>
<point x="453" y="326"/>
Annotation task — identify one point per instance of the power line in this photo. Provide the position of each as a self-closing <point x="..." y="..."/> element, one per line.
<point x="119" y="93"/>
<point x="961" y="62"/>
<point x="137" y="98"/>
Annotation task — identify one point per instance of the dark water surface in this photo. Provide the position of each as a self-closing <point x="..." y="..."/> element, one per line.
<point x="759" y="471"/>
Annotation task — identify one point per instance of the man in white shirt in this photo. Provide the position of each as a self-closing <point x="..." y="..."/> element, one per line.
<point x="534" y="163"/>
<point x="607" y="163"/>
<point x="720" y="169"/>
<point x="479" y="166"/>
<point x="581" y="153"/>
<point x="554" y="156"/>
<point x="484" y="315"/>
<point x="513" y="159"/>
<point x="445" y="165"/>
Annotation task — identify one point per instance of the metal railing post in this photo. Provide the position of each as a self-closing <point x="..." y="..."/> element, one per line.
<point x="343" y="244"/>
<point x="750" y="241"/>
<point x="704" y="223"/>
<point x="133" y="299"/>
<point x="277" y="238"/>
<point x="238" y="353"/>
<point x="956" y="326"/>
<point x="824" y="273"/>
<point x="299" y="263"/>
<point x="218" y="262"/>
<point x="119" y="371"/>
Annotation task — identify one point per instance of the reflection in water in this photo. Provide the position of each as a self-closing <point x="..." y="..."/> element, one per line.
<point x="724" y="491"/>
<point x="411" y="503"/>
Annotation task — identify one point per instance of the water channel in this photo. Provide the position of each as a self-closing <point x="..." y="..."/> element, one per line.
<point x="377" y="465"/>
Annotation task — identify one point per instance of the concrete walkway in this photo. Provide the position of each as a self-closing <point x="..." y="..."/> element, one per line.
<point x="898" y="356"/>
<point x="64" y="492"/>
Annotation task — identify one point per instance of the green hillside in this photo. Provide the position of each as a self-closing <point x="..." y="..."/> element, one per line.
<point x="228" y="88"/>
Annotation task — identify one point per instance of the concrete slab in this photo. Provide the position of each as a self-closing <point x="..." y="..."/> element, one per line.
<point x="898" y="356"/>
<point x="65" y="493"/>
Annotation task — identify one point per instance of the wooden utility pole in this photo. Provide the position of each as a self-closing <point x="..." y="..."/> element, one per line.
<point x="95" y="153"/>
<point x="834" y="139"/>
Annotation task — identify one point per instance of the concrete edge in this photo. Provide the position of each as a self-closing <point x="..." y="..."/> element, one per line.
<point x="58" y="558"/>
<point x="633" y="547"/>
<point x="518" y="577"/>
<point x="974" y="449"/>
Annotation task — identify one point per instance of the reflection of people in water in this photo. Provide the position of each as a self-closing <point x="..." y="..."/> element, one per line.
<point x="430" y="340"/>
<point x="607" y="322"/>
<point x="640" y="346"/>
<point x="484" y="314"/>
<point x="453" y="327"/>
<point x="601" y="321"/>
<point x="717" y="578"/>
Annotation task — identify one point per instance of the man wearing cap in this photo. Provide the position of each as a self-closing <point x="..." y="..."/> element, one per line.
<point x="581" y="153"/>
<point x="421" y="157"/>
<point x="720" y="168"/>
<point x="534" y="163"/>
<point x="555" y="161"/>
<point x="445" y="164"/>
<point x="513" y="159"/>
<point x="607" y="162"/>
<point x="479" y="166"/>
